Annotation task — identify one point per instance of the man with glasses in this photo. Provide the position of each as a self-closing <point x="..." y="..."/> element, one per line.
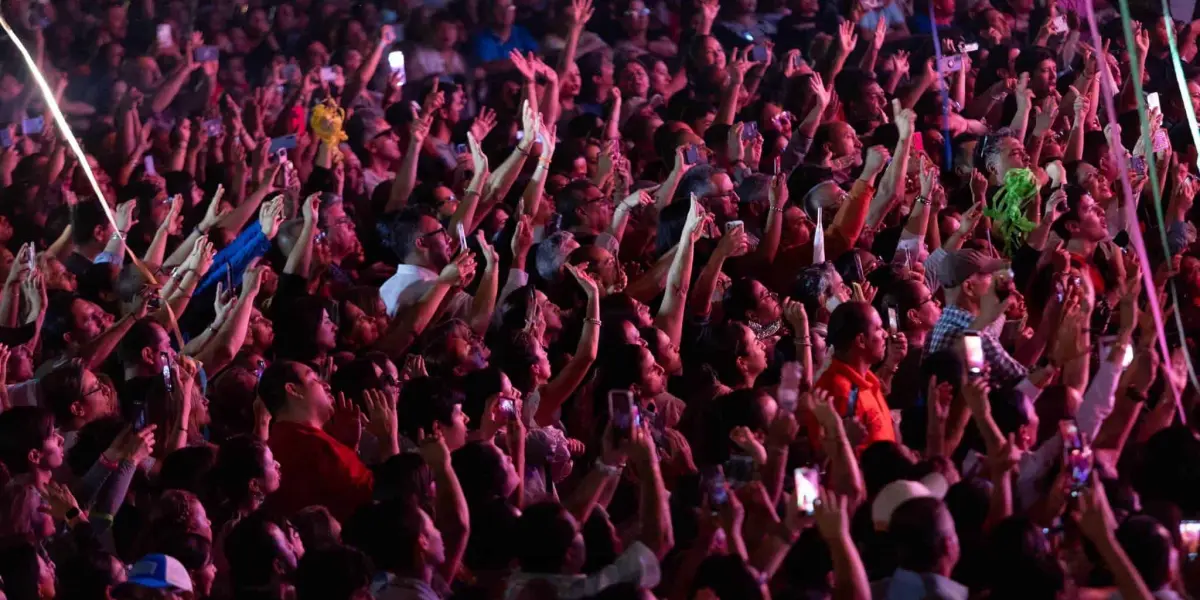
<point x="425" y="248"/>
<point x="377" y="146"/>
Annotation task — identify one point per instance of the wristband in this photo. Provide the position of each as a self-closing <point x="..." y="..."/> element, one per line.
<point x="595" y="322"/>
<point x="607" y="469"/>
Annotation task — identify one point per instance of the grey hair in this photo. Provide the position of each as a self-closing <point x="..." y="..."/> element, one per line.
<point x="550" y="255"/>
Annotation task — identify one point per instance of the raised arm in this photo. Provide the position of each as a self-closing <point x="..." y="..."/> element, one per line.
<point x="451" y="515"/>
<point x="484" y="302"/>
<point x="671" y="311"/>
<point x="554" y="393"/>
<point x="418" y="131"/>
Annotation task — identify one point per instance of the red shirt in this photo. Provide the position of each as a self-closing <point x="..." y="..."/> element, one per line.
<point x="870" y="406"/>
<point x="314" y="469"/>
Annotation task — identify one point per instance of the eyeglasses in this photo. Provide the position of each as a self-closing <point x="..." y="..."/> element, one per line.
<point x="99" y="388"/>
<point x="388" y="380"/>
<point x="438" y="231"/>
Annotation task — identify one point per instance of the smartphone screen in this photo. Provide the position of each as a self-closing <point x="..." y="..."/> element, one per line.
<point x="165" y="38"/>
<point x="739" y="470"/>
<point x="714" y="487"/>
<point x="148" y="163"/>
<point x="807" y="482"/>
<point x="462" y="238"/>
<point x="166" y="371"/>
<point x="1152" y="100"/>
<point x="749" y="130"/>
<point x="730" y="225"/>
<point x="624" y="413"/>
<point x="973" y="352"/>
<point x="33" y="126"/>
<point x="893" y="320"/>
<point x="1189" y="535"/>
<point x="328" y="74"/>
<point x="508" y="407"/>
<point x="287" y="142"/>
<point x="758" y="53"/>
<point x="396" y="63"/>
<point x="1060" y="24"/>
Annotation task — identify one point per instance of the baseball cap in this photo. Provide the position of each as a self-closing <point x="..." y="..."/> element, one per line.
<point x="959" y="265"/>
<point x="900" y="491"/>
<point x="160" y="571"/>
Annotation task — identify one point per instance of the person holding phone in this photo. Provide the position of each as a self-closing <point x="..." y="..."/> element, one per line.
<point x="974" y="283"/>
<point x="858" y="340"/>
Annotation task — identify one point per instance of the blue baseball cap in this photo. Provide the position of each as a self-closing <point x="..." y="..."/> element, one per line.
<point x="159" y="571"/>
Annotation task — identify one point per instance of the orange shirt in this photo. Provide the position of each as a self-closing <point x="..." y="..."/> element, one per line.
<point x="870" y="406"/>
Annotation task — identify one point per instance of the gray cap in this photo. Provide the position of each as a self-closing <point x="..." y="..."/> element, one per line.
<point x="962" y="264"/>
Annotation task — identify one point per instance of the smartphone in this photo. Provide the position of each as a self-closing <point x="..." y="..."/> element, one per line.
<point x="1189" y="536"/>
<point x="758" y="53"/>
<point x="33" y="126"/>
<point x="29" y="257"/>
<point x="213" y="127"/>
<point x="6" y="138"/>
<point x="1137" y="164"/>
<point x="623" y="412"/>
<point x="1059" y="24"/>
<point x="461" y="149"/>
<point x="462" y="238"/>
<point x="165" y="38"/>
<point x="166" y="371"/>
<point x="328" y="74"/>
<point x="739" y="470"/>
<point x="730" y="225"/>
<point x="509" y="407"/>
<point x="396" y="60"/>
<point x="713" y="481"/>
<point x="207" y="54"/>
<point x="789" y="386"/>
<point x="950" y="64"/>
<point x="807" y="482"/>
<point x="965" y="48"/>
<point x="289" y="72"/>
<point x="778" y="166"/>
<point x="1160" y="141"/>
<point x="973" y="353"/>
<point x="1152" y="101"/>
<point x="148" y="163"/>
<point x="749" y="130"/>
<point x="893" y="319"/>
<point x="694" y="156"/>
<point x="286" y="142"/>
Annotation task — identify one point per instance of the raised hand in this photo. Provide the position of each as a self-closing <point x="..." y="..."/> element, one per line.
<point x="270" y="217"/>
<point x="460" y="271"/>
<point x="585" y="280"/>
<point x="483" y="124"/>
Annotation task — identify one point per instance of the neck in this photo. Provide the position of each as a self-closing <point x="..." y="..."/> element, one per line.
<point x="502" y="31"/>
<point x="422" y="573"/>
<point x="379" y="165"/>
<point x="960" y="300"/>
<point x="90" y="250"/>
<point x="39" y="478"/>
<point x="1084" y="248"/>
<point x="301" y="416"/>
<point x="859" y="363"/>
<point x="916" y="338"/>
<point x="418" y="260"/>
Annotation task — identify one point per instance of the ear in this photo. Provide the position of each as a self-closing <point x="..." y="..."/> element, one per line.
<point x="77" y="409"/>
<point x="35" y="456"/>
<point x="290" y="389"/>
<point x="910" y="315"/>
<point x="100" y="233"/>
<point x="148" y="355"/>
<point x="255" y="486"/>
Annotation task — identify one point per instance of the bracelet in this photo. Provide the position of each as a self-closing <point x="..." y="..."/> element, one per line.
<point x="776" y="209"/>
<point x="921" y="199"/>
<point x="607" y="469"/>
<point x="595" y="322"/>
<point x="117" y="235"/>
<point x="524" y="152"/>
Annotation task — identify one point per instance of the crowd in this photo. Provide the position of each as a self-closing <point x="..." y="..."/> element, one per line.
<point x="575" y="299"/>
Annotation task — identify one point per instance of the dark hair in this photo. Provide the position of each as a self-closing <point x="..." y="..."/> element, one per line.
<point x="252" y="551"/>
<point x="85" y="575"/>
<point x="192" y="550"/>
<point x="545" y="533"/>
<point x="571" y="198"/>
<point x="332" y="573"/>
<point x="848" y="321"/>
<point x="317" y="527"/>
<point x="1075" y="193"/>
<point x="85" y="218"/>
<point x="882" y="463"/>
<point x="517" y="355"/>
<point x="141" y="335"/>
<point x="240" y="460"/>
<point x="916" y="534"/>
<point x="19" y="570"/>
<point x="272" y="387"/>
<point x="188" y="469"/>
<point x="1149" y="550"/>
<point x="400" y="232"/>
<point x="23" y="428"/>
<point x="477" y="387"/>
<point x="61" y="388"/>
<point x="387" y="532"/>
<point x="729" y="576"/>
<point x="423" y="401"/>
<point x="480" y="472"/>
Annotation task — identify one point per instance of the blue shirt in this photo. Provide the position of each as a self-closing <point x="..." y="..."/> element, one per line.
<point x="251" y="244"/>
<point x="486" y="46"/>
